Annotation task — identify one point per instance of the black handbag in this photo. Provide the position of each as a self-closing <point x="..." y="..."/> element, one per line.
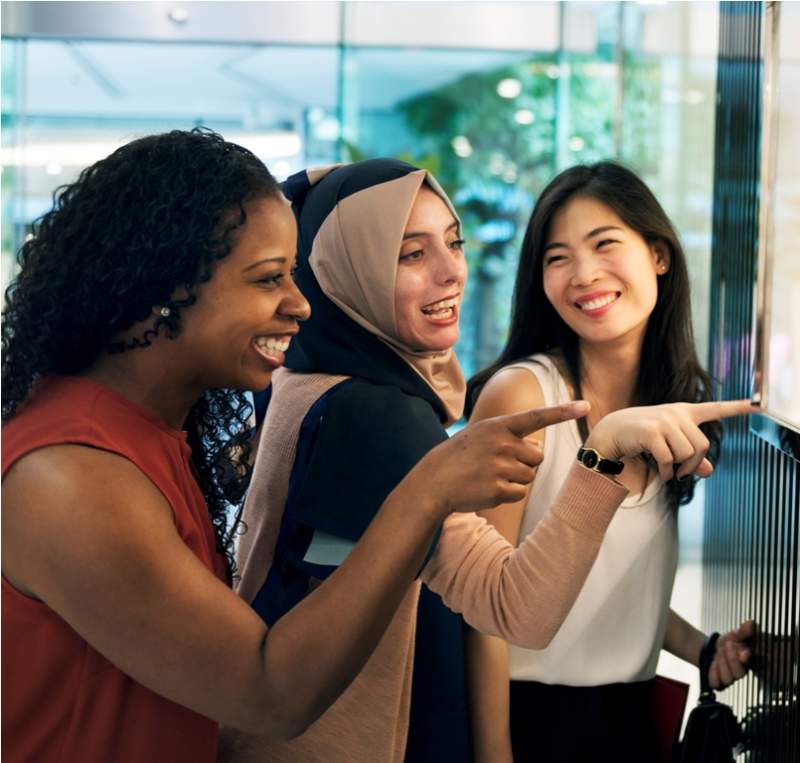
<point x="713" y="735"/>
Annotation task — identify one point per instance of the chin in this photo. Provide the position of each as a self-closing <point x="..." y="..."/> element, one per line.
<point x="254" y="382"/>
<point x="440" y="344"/>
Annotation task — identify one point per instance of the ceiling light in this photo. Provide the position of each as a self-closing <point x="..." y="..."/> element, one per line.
<point x="461" y="146"/>
<point x="524" y="117"/>
<point x="509" y="88"/>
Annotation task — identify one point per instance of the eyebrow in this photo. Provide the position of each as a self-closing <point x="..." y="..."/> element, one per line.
<point x="416" y="234"/>
<point x="261" y="262"/>
<point x="590" y="234"/>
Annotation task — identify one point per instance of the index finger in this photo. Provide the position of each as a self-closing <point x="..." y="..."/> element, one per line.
<point x="527" y="422"/>
<point x="721" y="409"/>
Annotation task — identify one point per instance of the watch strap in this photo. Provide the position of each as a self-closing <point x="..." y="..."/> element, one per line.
<point x="593" y="460"/>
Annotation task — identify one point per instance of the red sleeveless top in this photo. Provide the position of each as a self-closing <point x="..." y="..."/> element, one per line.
<point x="61" y="700"/>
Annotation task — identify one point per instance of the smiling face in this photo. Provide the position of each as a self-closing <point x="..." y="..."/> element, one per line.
<point x="245" y="316"/>
<point x="431" y="274"/>
<point x="599" y="274"/>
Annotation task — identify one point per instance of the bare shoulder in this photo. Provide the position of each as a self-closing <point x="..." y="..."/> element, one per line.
<point x="510" y="390"/>
<point x="69" y="504"/>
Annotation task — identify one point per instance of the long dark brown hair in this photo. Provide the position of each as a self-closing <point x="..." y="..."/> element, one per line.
<point x="669" y="370"/>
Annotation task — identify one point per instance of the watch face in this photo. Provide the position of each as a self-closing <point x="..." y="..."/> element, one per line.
<point x="590" y="459"/>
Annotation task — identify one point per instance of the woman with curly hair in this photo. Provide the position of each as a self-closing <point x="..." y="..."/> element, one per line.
<point x="157" y="289"/>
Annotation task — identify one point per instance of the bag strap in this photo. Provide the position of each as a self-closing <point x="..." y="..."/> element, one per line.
<point x="707" y="652"/>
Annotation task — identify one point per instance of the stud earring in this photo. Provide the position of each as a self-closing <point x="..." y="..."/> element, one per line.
<point x="165" y="312"/>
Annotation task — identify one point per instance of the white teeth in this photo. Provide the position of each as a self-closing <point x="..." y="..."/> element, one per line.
<point x="441" y="309"/>
<point x="596" y="304"/>
<point x="272" y="345"/>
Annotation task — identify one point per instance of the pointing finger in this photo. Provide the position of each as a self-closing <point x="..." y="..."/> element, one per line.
<point x="721" y="409"/>
<point x="527" y="422"/>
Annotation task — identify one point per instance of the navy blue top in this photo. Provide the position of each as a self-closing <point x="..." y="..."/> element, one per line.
<point x="356" y="443"/>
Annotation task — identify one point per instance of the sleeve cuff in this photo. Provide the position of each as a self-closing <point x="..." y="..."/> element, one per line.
<point x="588" y="500"/>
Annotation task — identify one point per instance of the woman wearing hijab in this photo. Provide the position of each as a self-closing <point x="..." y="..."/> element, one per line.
<point x="369" y="387"/>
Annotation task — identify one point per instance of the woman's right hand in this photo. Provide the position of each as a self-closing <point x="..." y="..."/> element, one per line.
<point x="489" y="462"/>
<point x="670" y="433"/>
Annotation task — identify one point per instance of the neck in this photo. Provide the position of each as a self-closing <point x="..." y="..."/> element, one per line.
<point x="608" y="374"/>
<point x="149" y="378"/>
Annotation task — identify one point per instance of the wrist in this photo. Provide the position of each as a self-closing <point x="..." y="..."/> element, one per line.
<point x="593" y="459"/>
<point x="597" y="440"/>
<point x="420" y="504"/>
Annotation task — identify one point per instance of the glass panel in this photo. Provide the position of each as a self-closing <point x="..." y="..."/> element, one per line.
<point x="484" y="123"/>
<point x="667" y="123"/>
<point x="778" y="340"/>
<point x="67" y="103"/>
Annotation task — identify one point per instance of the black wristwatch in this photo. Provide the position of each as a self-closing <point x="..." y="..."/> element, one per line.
<point x="591" y="459"/>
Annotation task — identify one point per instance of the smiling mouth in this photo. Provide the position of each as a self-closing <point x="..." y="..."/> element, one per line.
<point x="441" y="310"/>
<point x="598" y="303"/>
<point x="274" y="346"/>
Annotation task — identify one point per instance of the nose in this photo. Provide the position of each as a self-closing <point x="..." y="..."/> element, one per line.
<point x="585" y="270"/>
<point x="295" y="305"/>
<point x="451" y="265"/>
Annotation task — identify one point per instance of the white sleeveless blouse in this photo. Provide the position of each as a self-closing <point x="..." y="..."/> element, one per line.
<point x="615" y="630"/>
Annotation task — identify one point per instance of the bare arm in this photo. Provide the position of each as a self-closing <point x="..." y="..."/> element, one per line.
<point x="87" y="533"/>
<point x="88" y="548"/>
<point x="731" y="656"/>
<point x="682" y="639"/>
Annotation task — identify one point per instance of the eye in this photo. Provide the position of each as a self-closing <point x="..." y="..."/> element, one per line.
<point x="551" y="258"/>
<point x="606" y="242"/>
<point x="272" y="280"/>
<point x="458" y="244"/>
<point x="411" y="256"/>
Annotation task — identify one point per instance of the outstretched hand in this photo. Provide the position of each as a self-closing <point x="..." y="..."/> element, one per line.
<point x="492" y="461"/>
<point x="670" y="433"/>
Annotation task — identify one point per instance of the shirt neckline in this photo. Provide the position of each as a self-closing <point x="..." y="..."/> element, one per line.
<point x="634" y="499"/>
<point x="149" y="416"/>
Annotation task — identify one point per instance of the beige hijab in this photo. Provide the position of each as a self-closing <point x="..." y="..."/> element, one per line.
<point x="354" y="259"/>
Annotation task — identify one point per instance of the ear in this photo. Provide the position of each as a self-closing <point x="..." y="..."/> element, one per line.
<point x="661" y="256"/>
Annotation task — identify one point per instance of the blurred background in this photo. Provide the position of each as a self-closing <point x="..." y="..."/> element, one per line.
<point x="494" y="98"/>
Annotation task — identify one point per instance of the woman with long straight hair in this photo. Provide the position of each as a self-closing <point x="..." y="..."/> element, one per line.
<point x="600" y="311"/>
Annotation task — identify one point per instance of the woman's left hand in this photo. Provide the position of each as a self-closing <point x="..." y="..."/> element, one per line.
<point x="732" y="654"/>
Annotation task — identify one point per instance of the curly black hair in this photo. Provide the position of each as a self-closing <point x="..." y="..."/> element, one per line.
<point x="151" y="219"/>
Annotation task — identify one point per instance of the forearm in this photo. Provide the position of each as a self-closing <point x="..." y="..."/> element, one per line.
<point x="313" y="653"/>
<point x="682" y="639"/>
<point x="488" y="681"/>
<point x="524" y="594"/>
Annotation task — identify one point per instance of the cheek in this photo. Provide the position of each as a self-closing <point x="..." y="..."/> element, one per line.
<point x="553" y="288"/>
<point x="408" y="292"/>
<point x="405" y="314"/>
<point x="647" y="288"/>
